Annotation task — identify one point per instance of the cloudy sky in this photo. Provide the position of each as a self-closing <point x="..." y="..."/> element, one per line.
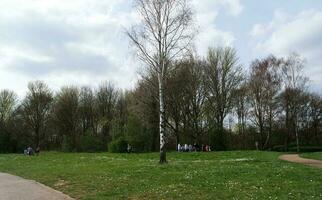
<point x="82" y="42"/>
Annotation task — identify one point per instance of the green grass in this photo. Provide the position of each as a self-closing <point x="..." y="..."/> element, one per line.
<point x="220" y="175"/>
<point x="315" y="155"/>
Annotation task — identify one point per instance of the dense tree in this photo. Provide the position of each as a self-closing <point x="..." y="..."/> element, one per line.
<point x="8" y="103"/>
<point x="36" y="109"/>
<point x="264" y="87"/>
<point x="242" y="109"/>
<point x="67" y="117"/>
<point x="107" y="96"/>
<point x="294" y="83"/>
<point x="223" y="77"/>
<point x="184" y="100"/>
<point x="271" y="105"/>
<point x="88" y="111"/>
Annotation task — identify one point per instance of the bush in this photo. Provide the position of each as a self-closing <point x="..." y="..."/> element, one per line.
<point x="137" y="135"/>
<point x="118" y="145"/>
<point x="306" y="148"/>
<point x="219" y="140"/>
<point x="67" y="144"/>
<point x="91" y="144"/>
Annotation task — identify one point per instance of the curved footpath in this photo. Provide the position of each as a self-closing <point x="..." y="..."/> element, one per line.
<point x="295" y="158"/>
<point x="16" y="188"/>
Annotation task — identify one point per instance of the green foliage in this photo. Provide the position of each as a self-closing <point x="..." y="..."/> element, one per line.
<point x="67" y="145"/>
<point x="137" y="135"/>
<point x="5" y="142"/>
<point x="92" y="144"/>
<point x="118" y="145"/>
<point x="219" y="139"/>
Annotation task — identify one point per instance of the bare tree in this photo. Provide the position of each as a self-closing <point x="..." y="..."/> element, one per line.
<point x="67" y="116"/>
<point x="264" y="86"/>
<point x="223" y="75"/>
<point x="162" y="36"/>
<point x="88" y="110"/>
<point x="315" y="114"/>
<point x="36" y="109"/>
<point x="106" y="97"/>
<point x="294" y="86"/>
<point x="242" y="107"/>
<point x="8" y="100"/>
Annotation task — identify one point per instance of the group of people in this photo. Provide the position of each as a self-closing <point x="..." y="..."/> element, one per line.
<point x="30" y="151"/>
<point x="194" y="147"/>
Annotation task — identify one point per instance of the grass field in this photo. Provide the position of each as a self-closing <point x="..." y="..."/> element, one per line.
<point x="220" y="175"/>
<point x="316" y="155"/>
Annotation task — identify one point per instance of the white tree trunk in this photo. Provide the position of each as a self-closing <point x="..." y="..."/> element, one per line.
<point x="161" y="123"/>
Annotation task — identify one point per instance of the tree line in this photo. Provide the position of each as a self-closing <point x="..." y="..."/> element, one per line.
<point x="211" y="100"/>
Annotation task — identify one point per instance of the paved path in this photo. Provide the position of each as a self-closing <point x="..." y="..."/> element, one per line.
<point x="16" y="188"/>
<point x="297" y="159"/>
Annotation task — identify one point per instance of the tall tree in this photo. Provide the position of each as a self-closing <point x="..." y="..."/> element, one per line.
<point x="242" y="107"/>
<point x="88" y="110"/>
<point x="107" y="96"/>
<point x="223" y="76"/>
<point x="8" y="100"/>
<point x="264" y="86"/>
<point x="67" y="116"/>
<point x="8" y="103"/>
<point x="294" y="86"/>
<point x="162" y="36"/>
<point x="36" y="109"/>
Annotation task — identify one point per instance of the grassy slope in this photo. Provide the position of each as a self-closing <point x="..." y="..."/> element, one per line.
<point x="316" y="155"/>
<point x="221" y="175"/>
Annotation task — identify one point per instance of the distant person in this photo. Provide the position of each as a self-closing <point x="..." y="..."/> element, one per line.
<point x="25" y="152"/>
<point x="186" y="148"/>
<point x="129" y="148"/>
<point x="190" y="148"/>
<point x="256" y="145"/>
<point x="195" y="147"/>
<point x="37" y="151"/>
<point x="30" y="151"/>
<point x="179" y="147"/>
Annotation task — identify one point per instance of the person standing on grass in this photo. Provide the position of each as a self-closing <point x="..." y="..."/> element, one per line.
<point x="129" y="148"/>
<point x="186" y="148"/>
<point x="37" y="151"/>
<point x="30" y="151"/>
<point x="179" y="147"/>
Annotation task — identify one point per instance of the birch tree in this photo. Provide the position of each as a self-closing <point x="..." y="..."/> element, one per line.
<point x="162" y="36"/>
<point x="295" y="84"/>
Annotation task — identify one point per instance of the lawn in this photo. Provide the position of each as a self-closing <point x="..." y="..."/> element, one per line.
<point x="220" y="175"/>
<point x="316" y="155"/>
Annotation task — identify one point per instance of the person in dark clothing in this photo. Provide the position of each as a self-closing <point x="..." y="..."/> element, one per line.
<point x="37" y="151"/>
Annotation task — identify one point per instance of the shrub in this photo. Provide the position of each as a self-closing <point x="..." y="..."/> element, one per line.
<point x="91" y="144"/>
<point x="137" y="135"/>
<point x="67" y="144"/>
<point x="118" y="145"/>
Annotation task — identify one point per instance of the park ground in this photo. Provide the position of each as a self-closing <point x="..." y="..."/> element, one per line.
<point x="217" y="175"/>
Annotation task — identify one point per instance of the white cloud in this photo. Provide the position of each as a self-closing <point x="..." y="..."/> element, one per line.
<point x="300" y="33"/>
<point x="206" y="14"/>
<point x="65" y="41"/>
<point x="83" y="42"/>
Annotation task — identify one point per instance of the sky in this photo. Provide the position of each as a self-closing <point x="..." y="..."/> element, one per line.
<point x="83" y="42"/>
